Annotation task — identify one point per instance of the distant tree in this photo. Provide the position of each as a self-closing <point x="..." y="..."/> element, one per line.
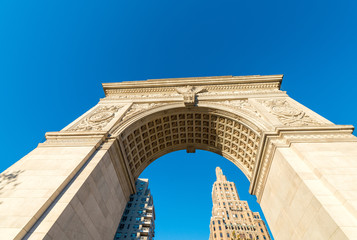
<point x="237" y="237"/>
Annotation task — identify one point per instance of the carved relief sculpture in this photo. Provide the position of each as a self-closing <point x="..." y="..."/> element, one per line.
<point x="289" y="115"/>
<point x="97" y="120"/>
<point x="140" y="107"/>
<point x="189" y="94"/>
<point x="243" y="105"/>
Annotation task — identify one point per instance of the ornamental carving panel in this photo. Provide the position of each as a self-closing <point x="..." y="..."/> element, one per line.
<point x="97" y="120"/>
<point x="189" y="94"/>
<point x="140" y="107"/>
<point x="287" y="114"/>
<point x="244" y="106"/>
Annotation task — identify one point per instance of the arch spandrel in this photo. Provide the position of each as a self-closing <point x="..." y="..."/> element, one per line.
<point x="261" y="106"/>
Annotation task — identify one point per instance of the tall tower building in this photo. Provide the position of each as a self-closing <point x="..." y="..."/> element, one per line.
<point x="231" y="217"/>
<point x="138" y="218"/>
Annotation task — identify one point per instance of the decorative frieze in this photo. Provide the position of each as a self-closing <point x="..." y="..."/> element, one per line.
<point x="257" y="91"/>
<point x="211" y="90"/>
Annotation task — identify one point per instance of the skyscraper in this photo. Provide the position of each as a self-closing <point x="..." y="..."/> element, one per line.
<point x="231" y="217"/>
<point x="138" y="218"/>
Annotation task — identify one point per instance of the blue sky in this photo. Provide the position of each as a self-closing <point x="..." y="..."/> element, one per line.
<point x="55" y="54"/>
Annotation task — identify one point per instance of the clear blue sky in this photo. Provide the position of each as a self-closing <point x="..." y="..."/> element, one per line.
<point x="55" y="54"/>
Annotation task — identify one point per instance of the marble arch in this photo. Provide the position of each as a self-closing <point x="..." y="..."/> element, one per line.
<point x="75" y="185"/>
<point x="174" y="129"/>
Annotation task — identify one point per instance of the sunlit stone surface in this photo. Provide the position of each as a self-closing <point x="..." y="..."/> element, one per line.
<point x="75" y="185"/>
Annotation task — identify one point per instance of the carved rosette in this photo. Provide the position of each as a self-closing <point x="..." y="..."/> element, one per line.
<point x="289" y="115"/>
<point x="97" y="120"/>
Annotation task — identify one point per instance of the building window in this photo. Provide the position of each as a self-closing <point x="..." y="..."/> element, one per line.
<point x="220" y="234"/>
<point x="219" y="228"/>
<point x="121" y="226"/>
<point x="227" y="234"/>
<point x="261" y="230"/>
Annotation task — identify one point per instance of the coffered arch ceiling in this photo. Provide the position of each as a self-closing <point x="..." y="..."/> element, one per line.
<point x="149" y="137"/>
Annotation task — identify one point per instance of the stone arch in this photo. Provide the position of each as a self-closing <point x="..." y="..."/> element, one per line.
<point x="75" y="185"/>
<point x="151" y="136"/>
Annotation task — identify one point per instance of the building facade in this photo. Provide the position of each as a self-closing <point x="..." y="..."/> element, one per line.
<point x="138" y="220"/>
<point x="231" y="217"/>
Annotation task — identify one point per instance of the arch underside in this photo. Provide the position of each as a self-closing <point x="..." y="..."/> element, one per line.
<point x="155" y="135"/>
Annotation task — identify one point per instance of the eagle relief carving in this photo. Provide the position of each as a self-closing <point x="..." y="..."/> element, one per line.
<point x="189" y="94"/>
<point x="289" y="115"/>
<point x="97" y="120"/>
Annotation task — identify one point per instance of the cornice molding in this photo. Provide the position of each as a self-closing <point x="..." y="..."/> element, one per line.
<point x="74" y="139"/>
<point x="210" y="83"/>
<point x="284" y="137"/>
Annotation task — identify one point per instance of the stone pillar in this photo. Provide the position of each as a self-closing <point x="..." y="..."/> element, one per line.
<point x="311" y="190"/>
<point x="34" y="182"/>
<point x="91" y="205"/>
<point x="77" y="174"/>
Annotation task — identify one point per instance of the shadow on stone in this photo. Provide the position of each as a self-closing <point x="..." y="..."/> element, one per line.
<point x="8" y="180"/>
